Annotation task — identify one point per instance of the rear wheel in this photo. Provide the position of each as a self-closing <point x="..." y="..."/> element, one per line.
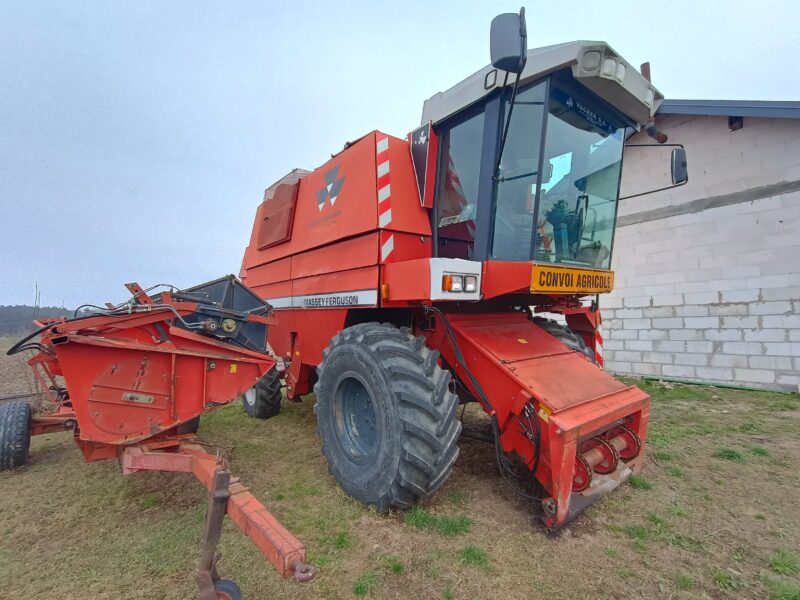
<point x="565" y="335"/>
<point x="15" y="436"/>
<point x="385" y="415"/>
<point x="263" y="400"/>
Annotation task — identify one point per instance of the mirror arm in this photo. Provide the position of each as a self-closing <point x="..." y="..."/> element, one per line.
<point x="496" y="172"/>
<point x="669" y="187"/>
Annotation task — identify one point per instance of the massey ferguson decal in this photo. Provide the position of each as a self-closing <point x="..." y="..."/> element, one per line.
<point x="332" y="187"/>
<point x="331" y="300"/>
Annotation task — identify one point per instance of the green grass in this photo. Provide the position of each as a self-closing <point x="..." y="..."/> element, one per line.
<point x="679" y="510"/>
<point x="128" y="551"/>
<point x="625" y="573"/>
<point x="782" y="589"/>
<point x="636" y="532"/>
<point x="457" y="498"/>
<point x="727" y="582"/>
<point x="784" y="562"/>
<point x="473" y="556"/>
<point x="342" y="540"/>
<point x="366" y="582"/>
<point x="758" y="451"/>
<point x="729" y="454"/>
<point x="676" y="472"/>
<point x="320" y="560"/>
<point x="750" y="426"/>
<point x="658" y="529"/>
<point x="421" y="518"/>
<point x="659" y="522"/>
<point x="394" y="565"/>
<point x="638" y="482"/>
<point x="149" y="500"/>
<point x="785" y="403"/>
<point x="663" y="391"/>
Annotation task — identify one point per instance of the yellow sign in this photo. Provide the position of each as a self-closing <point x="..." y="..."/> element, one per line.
<point x="568" y="280"/>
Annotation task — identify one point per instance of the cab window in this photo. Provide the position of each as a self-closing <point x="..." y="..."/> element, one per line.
<point x="457" y="188"/>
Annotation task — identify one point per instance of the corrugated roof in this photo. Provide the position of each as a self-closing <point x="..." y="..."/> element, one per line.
<point x="767" y="109"/>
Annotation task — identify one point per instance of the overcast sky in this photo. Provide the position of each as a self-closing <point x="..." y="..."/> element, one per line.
<point x="136" y="138"/>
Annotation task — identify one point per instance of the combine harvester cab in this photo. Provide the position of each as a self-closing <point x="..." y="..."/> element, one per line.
<point x="409" y="275"/>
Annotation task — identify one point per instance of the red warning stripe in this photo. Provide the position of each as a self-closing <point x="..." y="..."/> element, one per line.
<point x="384" y="186"/>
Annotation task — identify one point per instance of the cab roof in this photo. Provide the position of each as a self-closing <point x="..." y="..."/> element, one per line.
<point x="594" y="64"/>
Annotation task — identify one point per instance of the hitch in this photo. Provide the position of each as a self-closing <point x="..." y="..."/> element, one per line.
<point x="286" y="553"/>
<point x="207" y="574"/>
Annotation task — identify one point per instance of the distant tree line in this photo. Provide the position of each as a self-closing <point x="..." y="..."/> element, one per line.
<point x="17" y="320"/>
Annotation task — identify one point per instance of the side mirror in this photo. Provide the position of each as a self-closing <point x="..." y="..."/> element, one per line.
<point x="508" y="42"/>
<point x="680" y="174"/>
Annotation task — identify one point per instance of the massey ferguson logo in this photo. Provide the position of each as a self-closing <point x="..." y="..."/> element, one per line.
<point x="333" y="184"/>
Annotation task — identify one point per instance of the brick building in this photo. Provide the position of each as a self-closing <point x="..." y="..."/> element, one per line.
<point x="708" y="274"/>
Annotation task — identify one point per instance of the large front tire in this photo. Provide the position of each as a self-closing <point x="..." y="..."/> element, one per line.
<point x="386" y="416"/>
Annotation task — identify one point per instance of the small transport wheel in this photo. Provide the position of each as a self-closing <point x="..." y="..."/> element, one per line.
<point x="386" y="416"/>
<point x="565" y="335"/>
<point x="263" y="400"/>
<point x="15" y="435"/>
<point x="227" y="590"/>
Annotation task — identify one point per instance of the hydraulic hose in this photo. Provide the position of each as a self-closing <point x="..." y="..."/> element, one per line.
<point x="503" y="465"/>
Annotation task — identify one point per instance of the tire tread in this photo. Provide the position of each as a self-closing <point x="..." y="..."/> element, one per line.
<point x="429" y="427"/>
<point x="15" y="438"/>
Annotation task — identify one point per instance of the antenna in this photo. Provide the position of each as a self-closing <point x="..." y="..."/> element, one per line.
<point x="36" y="300"/>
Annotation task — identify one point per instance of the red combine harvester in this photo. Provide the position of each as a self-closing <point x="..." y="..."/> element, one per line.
<point x="407" y="276"/>
<point x="131" y="382"/>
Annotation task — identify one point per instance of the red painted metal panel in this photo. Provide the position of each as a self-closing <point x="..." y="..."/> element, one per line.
<point x="505" y="277"/>
<point x="132" y="377"/>
<point x="361" y="251"/>
<point x="334" y="202"/>
<point x="521" y="368"/>
<point x="364" y="278"/>
<point x="273" y="272"/>
<point x="549" y="370"/>
<point x="274" y="290"/>
<point x="276" y="216"/>
<point x="408" y="280"/>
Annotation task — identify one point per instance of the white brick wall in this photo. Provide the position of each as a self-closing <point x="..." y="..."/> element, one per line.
<point x="712" y="295"/>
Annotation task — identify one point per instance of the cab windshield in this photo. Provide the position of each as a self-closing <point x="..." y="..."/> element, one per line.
<point x="573" y="221"/>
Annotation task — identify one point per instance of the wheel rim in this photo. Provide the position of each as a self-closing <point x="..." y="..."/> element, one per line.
<point x="250" y="397"/>
<point x="354" y="415"/>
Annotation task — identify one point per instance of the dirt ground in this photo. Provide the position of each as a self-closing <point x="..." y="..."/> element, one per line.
<point x="715" y="515"/>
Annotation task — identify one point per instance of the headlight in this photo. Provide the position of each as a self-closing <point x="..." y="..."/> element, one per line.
<point x="609" y="66"/>
<point x="452" y="283"/>
<point x="649" y="98"/>
<point x="613" y="69"/>
<point x="470" y="283"/>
